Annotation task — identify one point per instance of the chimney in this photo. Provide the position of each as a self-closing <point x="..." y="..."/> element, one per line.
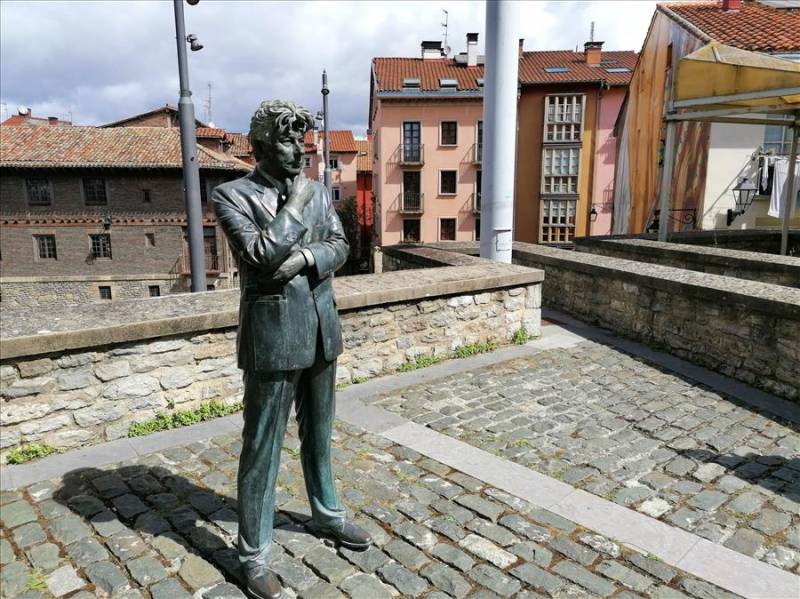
<point x="52" y="120"/>
<point x="521" y="42"/>
<point x="591" y="52"/>
<point x="432" y="49"/>
<point x="731" y="5"/>
<point x="472" y="49"/>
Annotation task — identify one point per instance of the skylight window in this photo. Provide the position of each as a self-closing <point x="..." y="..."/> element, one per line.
<point x="618" y="70"/>
<point x="479" y="82"/>
<point x="411" y="83"/>
<point x="556" y="70"/>
<point x="448" y="83"/>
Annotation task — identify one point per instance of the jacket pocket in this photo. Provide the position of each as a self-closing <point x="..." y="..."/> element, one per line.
<point x="268" y="323"/>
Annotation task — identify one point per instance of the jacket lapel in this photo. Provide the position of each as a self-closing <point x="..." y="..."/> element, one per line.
<point x="266" y="195"/>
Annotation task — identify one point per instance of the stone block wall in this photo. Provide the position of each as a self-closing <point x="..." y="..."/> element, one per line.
<point x="746" y="330"/>
<point x="755" y="266"/>
<point x="83" y="384"/>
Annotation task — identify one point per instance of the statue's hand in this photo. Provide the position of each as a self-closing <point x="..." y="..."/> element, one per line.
<point x="300" y="192"/>
<point x="290" y="267"/>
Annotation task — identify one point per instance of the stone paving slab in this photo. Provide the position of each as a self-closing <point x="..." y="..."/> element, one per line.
<point x="163" y="526"/>
<point x="630" y="432"/>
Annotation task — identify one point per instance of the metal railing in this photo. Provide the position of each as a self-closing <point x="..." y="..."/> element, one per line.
<point x="477" y="153"/>
<point x="685" y="217"/>
<point x="212" y="263"/>
<point x="411" y="154"/>
<point x="411" y="202"/>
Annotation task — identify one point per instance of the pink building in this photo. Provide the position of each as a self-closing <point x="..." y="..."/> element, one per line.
<point x="344" y="158"/>
<point x="426" y="117"/>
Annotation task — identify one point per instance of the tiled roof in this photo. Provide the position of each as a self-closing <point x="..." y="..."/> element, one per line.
<point x="756" y="26"/>
<point x="342" y="142"/>
<point x="113" y="147"/>
<point x="532" y="67"/>
<point x="28" y="119"/>
<point x="390" y="72"/>
<point x="364" y="160"/>
<point x="240" y="144"/>
<point x="210" y="132"/>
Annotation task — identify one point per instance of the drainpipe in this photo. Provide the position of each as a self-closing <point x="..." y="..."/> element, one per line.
<point x="499" y="130"/>
<point x="791" y="191"/>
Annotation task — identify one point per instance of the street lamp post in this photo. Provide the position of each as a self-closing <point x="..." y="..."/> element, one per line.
<point x="191" y="168"/>
<point x="325" y="144"/>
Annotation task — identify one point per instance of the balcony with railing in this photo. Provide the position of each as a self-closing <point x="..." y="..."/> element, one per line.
<point x="411" y="202"/>
<point x="476" y="202"/>
<point x="477" y="153"/>
<point x="411" y="154"/>
<point x="213" y="262"/>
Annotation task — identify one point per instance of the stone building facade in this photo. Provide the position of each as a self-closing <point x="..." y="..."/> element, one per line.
<point x="90" y="214"/>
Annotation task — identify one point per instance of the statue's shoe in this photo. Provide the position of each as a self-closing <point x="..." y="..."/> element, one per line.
<point x="349" y="535"/>
<point x="264" y="585"/>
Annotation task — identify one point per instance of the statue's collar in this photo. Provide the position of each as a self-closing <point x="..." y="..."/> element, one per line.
<point x="278" y="185"/>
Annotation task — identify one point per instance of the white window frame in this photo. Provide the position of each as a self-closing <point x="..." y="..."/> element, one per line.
<point x="556" y="227"/>
<point x="441" y="142"/>
<point x="333" y="163"/>
<point x="572" y="124"/>
<point x="553" y="150"/>
<point x="36" y="253"/>
<point x="306" y="161"/>
<point x="455" y="231"/>
<point x="447" y="193"/>
<point x="336" y="194"/>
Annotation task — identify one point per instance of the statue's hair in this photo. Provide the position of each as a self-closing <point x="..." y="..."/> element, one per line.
<point x="274" y="117"/>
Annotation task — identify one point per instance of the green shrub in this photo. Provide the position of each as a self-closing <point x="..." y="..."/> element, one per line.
<point x="421" y="362"/>
<point x="465" y="351"/>
<point x="163" y="422"/>
<point x="31" y="451"/>
<point x="521" y="336"/>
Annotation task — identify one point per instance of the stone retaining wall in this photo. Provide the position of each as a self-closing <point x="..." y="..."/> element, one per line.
<point x="743" y="329"/>
<point x="98" y="369"/>
<point x="756" y="266"/>
<point x="753" y="240"/>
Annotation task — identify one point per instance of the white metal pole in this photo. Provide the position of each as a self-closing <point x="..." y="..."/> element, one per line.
<point x="499" y="129"/>
<point x="791" y="190"/>
<point x="666" y="181"/>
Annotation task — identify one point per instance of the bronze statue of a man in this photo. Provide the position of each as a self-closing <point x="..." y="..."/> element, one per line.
<point x="288" y="242"/>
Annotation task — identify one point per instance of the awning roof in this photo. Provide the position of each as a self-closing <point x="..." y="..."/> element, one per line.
<point x="718" y="77"/>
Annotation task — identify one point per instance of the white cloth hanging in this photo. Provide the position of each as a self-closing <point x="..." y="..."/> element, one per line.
<point x="780" y="185"/>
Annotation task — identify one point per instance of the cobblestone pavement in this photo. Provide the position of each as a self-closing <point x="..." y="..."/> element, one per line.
<point x="163" y="527"/>
<point x="611" y="424"/>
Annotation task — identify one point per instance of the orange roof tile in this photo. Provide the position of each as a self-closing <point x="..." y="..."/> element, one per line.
<point x="364" y="160"/>
<point x="29" y="119"/>
<point x="240" y="144"/>
<point x="113" y="147"/>
<point x="756" y="26"/>
<point x="390" y="72"/>
<point x="342" y="142"/>
<point x="210" y="132"/>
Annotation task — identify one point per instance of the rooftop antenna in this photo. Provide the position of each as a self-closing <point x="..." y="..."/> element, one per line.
<point x="446" y="48"/>
<point x="207" y="105"/>
<point x="591" y="32"/>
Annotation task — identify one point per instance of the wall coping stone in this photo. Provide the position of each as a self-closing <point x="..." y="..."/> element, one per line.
<point x="28" y="333"/>
<point x="91" y="278"/>
<point x="764" y="297"/>
<point x="719" y="256"/>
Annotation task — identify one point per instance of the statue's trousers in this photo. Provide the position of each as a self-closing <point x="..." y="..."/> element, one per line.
<point x="268" y="397"/>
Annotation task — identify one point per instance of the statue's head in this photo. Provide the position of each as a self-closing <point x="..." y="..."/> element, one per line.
<point x="277" y="130"/>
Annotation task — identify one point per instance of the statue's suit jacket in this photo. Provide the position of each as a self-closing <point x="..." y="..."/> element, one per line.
<point x="279" y="322"/>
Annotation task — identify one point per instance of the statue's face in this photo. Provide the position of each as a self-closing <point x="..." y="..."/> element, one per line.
<point x="284" y="154"/>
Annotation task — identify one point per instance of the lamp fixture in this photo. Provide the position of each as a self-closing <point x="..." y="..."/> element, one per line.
<point x="593" y="214"/>
<point x="194" y="44"/>
<point x="743" y="195"/>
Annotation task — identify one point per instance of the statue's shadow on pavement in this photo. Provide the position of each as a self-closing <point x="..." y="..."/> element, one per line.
<point x="172" y="514"/>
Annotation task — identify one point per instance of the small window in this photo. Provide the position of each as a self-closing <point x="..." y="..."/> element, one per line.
<point x="477" y="229"/>
<point x="94" y="191"/>
<point x="618" y="70"/>
<point x="447" y="182"/>
<point x="479" y="82"/>
<point x="46" y="247"/>
<point x="307" y="162"/>
<point x="40" y="193"/>
<point x="149" y="240"/>
<point x="556" y="70"/>
<point x="146" y="199"/>
<point x="154" y="290"/>
<point x="333" y="163"/>
<point x="411" y="230"/>
<point x="448" y="83"/>
<point x="411" y="83"/>
<point x="447" y="229"/>
<point x="203" y="190"/>
<point x="210" y="287"/>
<point x="105" y="292"/>
<point x="449" y="135"/>
<point x="101" y="245"/>
<point x="336" y="193"/>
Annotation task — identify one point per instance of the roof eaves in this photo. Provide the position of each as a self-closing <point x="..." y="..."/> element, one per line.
<point x="686" y="24"/>
<point x="407" y="94"/>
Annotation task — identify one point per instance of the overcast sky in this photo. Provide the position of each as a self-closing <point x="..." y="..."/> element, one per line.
<point x="102" y="61"/>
